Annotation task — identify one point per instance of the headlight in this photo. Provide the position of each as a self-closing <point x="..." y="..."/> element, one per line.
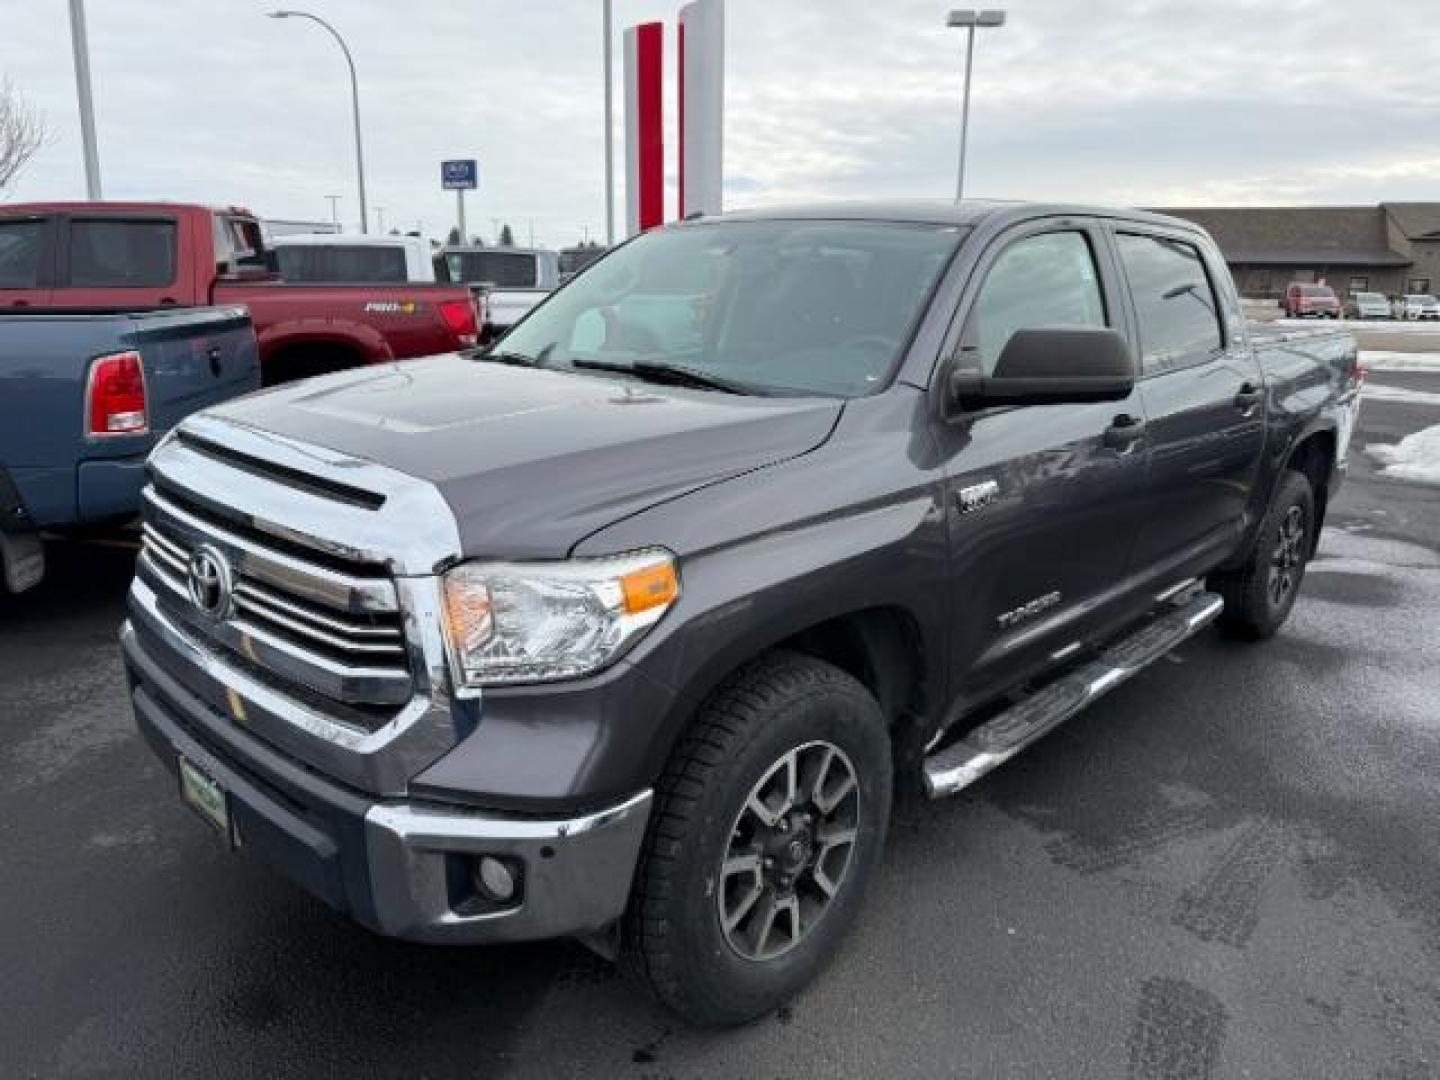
<point x="536" y="622"/>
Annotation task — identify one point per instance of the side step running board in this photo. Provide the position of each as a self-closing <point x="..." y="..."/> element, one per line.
<point x="1001" y="738"/>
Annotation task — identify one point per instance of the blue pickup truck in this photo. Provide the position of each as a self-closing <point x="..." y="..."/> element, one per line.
<point x="83" y="400"/>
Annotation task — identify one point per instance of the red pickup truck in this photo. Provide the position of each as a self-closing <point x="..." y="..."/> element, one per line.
<point x="114" y="256"/>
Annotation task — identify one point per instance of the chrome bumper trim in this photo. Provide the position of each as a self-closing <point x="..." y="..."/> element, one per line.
<point x="576" y="879"/>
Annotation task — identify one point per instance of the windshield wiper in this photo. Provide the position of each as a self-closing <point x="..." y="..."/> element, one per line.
<point x="658" y="371"/>
<point x="514" y="359"/>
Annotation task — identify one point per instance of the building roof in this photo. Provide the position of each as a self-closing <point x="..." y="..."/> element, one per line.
<point x="1417" y="220"/>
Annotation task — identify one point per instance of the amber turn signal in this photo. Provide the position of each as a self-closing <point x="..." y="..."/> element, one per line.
<point x="654" y="586"/>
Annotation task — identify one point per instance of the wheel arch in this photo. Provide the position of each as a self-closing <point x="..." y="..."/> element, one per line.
<point x="1313" y="455"/>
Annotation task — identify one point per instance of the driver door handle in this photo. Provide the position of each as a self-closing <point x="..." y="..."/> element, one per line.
<point x="1248" y="397"/>
<point x="1124" y="432"/>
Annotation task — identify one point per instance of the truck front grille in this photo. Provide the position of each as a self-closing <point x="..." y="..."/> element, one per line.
<point x="312" y="622"/>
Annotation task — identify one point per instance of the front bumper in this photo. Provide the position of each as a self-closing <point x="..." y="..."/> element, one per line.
<point x="402" y="868"/>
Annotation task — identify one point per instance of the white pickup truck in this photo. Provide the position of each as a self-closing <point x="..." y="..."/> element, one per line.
<point x="337" y="258"/>
<point x="508" y="281"/>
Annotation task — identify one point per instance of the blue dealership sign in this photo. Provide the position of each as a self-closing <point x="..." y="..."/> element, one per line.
<point x="459" y="175"/>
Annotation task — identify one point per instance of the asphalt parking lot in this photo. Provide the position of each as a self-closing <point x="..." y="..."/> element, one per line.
<point x="1229" y="868"/>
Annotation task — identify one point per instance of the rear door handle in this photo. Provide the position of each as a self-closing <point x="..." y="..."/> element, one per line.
<point x="1248" y="397"/>
<point x="1124" y="433"/>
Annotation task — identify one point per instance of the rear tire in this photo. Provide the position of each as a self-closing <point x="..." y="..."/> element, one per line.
<point x="713" y="867"/>
<point x="1260" y="594"/>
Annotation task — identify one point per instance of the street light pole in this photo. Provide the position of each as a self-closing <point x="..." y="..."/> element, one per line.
<point x="609" y="124"/>
<point x="969" y="20"/>
<point x="354" y="102"/>
<point x="80" y="44"/>
<point x="334" y="211"/>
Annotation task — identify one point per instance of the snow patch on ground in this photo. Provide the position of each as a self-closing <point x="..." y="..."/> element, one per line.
<point x="1402" y="394"/>
<point x="1380" y="360"/>
<point x="1416" y="457"/>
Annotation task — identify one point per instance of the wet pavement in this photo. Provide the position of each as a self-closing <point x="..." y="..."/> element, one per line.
<point x="1228" y="868"/>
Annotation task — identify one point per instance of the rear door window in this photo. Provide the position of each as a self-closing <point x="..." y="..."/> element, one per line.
<point x="1174" y="301"/>
<point x="119" y="253"/>
<point x="341" y="263"/>
<point x="22" y="252"/>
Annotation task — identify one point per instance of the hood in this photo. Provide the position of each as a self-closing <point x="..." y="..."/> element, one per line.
<point x="533" y="461"/>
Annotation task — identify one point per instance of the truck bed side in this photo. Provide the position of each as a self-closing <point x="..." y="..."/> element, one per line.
<point x="191" y="358"/>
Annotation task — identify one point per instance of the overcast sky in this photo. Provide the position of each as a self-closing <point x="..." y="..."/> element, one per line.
<point x="1151" y="103"/>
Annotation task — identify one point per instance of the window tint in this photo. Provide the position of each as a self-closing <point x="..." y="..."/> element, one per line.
<point x="508" y="270"/>
<point x="1042" y="281"/>
<point x="343" y="264"/>
<point x="121" y="254"/>
<point x="1179" y="318"/>
<point x="21" y="244"/>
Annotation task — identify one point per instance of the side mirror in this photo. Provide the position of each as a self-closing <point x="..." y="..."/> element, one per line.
<point x="1050" y="366"/>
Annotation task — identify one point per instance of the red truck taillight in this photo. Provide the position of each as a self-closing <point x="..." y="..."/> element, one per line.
<point x="459" y="316"/>
<point x="115" y="396"/>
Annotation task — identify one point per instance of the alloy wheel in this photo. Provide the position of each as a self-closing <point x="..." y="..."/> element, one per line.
<point x="1288" y="557"/>
<point x="789" y="851"/>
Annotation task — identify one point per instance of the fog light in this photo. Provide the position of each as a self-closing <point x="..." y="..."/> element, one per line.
<point x="494" y="879"/>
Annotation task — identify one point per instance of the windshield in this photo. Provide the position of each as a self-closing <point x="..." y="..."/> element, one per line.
<point x="1318" y="291"/>
<point x="1370" y="298"/>
<point x="799" y="307"/>
<point x="1423" y="299"/>
<point x="507" y="269"/>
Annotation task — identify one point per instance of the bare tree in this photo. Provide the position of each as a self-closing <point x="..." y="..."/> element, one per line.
<point x="22" y="133"/>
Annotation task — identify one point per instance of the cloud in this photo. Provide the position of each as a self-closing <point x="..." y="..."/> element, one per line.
<point x="1105" y="101"/>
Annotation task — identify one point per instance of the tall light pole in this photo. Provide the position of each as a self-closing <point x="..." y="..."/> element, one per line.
<point x="969" y="20"/>
<point x="380" y="219"/>
<point x="79" y="43"/>
<point x="609" y="20"/>
<point x="334" y="211"/>
<point x="354" y="100"/>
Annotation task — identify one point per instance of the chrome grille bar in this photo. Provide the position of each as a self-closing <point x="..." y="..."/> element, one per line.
<point x="332" y="633"/>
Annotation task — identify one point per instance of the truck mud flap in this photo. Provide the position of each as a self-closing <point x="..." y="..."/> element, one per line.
<point x="996" y="741"/>
<point x="22" y="554"/>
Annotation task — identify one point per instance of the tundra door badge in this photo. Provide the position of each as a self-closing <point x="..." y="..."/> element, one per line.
<point x="977" y="496"/>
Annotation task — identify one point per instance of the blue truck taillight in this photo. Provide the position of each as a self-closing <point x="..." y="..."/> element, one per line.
<point x="115" y="396"/>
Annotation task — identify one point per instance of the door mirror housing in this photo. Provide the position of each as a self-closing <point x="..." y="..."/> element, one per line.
<point x="1049" y="366"/>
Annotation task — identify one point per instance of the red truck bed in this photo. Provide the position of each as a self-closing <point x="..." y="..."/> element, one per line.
<point x="115" y="256"/>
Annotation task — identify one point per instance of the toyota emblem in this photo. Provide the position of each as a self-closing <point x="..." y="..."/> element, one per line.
<point x="211" y="582"/>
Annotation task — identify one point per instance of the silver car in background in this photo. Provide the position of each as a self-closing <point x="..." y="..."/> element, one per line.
<point x="1371" y="305"/>
<point x="1419" y="306"/>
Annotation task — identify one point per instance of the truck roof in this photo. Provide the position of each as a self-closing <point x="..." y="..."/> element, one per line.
<point x="348" y="239"/>
<point x="944" y="212"/>
<point x="122" y="206"/>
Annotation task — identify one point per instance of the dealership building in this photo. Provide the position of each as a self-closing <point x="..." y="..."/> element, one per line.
<point x="1392" y="248"/>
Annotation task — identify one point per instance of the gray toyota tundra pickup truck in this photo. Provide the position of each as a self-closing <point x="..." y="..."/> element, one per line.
<point x="631" y="628"/>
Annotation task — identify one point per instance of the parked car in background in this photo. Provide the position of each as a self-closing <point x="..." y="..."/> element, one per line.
<point x="1370" y="305"/>
<point x="1304" y="301"/>
<point x="337" y="259"/>
<point x="575" y="259"/>
<point x="626" y="629"/>
<point x="507" y="282"/>
<point x="141" y="256"/>
<point x="1419" y="306"/>
<point x="83" y="400"/>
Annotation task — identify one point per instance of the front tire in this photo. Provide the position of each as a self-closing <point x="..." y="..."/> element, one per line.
<point x="1260" y="594"/>
<point x="769" y="821"/>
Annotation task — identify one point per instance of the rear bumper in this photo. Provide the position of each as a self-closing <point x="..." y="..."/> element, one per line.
<point x="109" y="487"/>
<point x="402" y="868"/>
